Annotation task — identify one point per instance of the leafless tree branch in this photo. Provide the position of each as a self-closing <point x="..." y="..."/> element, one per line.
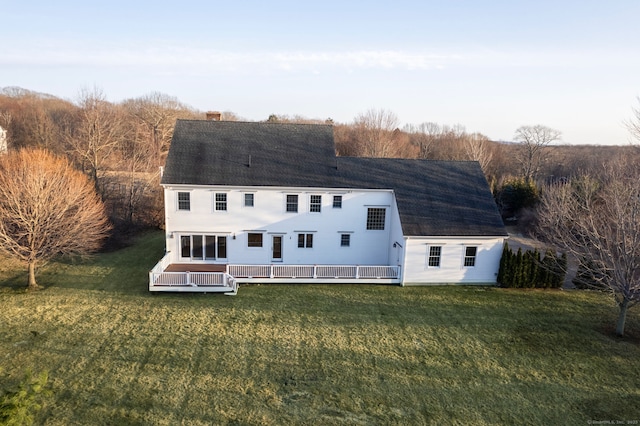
<point x="47" y="209"/>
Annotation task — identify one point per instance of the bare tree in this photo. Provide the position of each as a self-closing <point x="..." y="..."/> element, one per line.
<point x="598" y="222"/>
<point x="478" y="148"/>
<point x="43" y="131"/>
<point x="345" y="138"/>
<point x="158" y="112"/>
<point x="35" y="120"/>
<point x="97" y="134"/>
<point x="634" y="124"/>
<point x="450" y="144"/>
<point x="3" y="141"/>
<point x="283" y="118"/>
<point x="424" y="136"/>
<point x="230" y="116"/>
<point x="442" y="142"/>
<point x="531" y="153"/>
<point x="47" y="208"/>
<point x="5" y="119"/>
<point x="375" y="129"/>
<point x="377" y="135"/>
<point x="135" y="190"/>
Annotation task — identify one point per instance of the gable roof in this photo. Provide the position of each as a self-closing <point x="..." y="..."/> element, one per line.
<point x="250" y="154"/>
<point x="435" y="198"/>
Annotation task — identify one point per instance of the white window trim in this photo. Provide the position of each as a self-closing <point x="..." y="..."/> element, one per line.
<point x="314" y="204"/>
<point x="215" y="210"/>
<point x="178" y="209"/>
<point x="428" y="254"/>
<point x="306" y="234"/>
<point x="253" y="247"/>
<point x="384" y="224"/>
<point x="243" y="200"/>
<point x="286" y="194"/>
<point x="464" y="256"/>
<point x="179" y="236"/>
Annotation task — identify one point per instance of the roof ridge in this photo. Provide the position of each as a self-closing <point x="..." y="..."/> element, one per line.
<point x="252" y="122"/>
<point x="431" y="160"/>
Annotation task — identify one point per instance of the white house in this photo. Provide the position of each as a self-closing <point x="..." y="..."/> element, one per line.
<point x="271" y="202"/>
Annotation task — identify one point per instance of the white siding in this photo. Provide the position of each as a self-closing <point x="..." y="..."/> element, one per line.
<point x="269" y="217"/>
<point x="396" y="253"/>
<point x="452" y="269"/>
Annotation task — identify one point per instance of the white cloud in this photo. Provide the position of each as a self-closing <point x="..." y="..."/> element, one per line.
<point x="161" y="57"/>
<point x="175" y="58"/>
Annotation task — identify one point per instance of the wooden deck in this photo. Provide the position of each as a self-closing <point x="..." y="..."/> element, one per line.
<point x="195" y="267"/>
<point x="223" y="278"/>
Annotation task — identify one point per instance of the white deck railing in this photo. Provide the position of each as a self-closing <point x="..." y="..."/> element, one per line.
<point x="314" y="271"/>
<point x="159" y="280"/>
<point x="162" y="264"/>
<point x="189" y="281"/>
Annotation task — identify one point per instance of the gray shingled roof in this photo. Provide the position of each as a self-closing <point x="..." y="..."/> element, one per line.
<point x="435" y="198"/>
<point x="250" y="154"/>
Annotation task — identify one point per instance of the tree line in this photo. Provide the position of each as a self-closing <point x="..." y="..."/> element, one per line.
<point x="121" y="146"/>
<point x="580" y="199"/>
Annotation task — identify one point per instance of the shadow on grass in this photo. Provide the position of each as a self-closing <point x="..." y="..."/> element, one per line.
<point x="618" y="408"/>
<point x="122" y="271"/>
<point x="16" y="281"/>
<point x="334" y="353"/>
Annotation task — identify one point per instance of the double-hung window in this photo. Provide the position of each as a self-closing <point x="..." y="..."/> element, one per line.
<point x="221" y="201"/>
<point x="315" y="203"/>
<point x="345" y="240"/>
<point x="305" y="240"/>
<point x="337" y="201"/>
<point x="470" y="256"/>
<point x="184" y="201"/>
<point x="375" y="218"/>
<point x="435" y="253"/>
<point x="248" y="200"/>
<point x="292" y="203"/>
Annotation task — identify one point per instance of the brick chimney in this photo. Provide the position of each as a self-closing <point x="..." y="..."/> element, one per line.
<point x="214" y="115"/>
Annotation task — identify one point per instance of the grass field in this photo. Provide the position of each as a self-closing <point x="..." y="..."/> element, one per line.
<point x="311" y="354"/>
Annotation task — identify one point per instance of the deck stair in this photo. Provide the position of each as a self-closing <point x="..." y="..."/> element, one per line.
<point x="193" y="277"/>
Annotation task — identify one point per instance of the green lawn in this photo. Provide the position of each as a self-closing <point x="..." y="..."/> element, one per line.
<point x="311" y="354"/>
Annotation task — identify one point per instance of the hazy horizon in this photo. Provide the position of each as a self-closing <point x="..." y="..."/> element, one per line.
<point x="572" y="65"/>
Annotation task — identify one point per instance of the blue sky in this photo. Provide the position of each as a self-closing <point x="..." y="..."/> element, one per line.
<point x="490" y="66"/>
